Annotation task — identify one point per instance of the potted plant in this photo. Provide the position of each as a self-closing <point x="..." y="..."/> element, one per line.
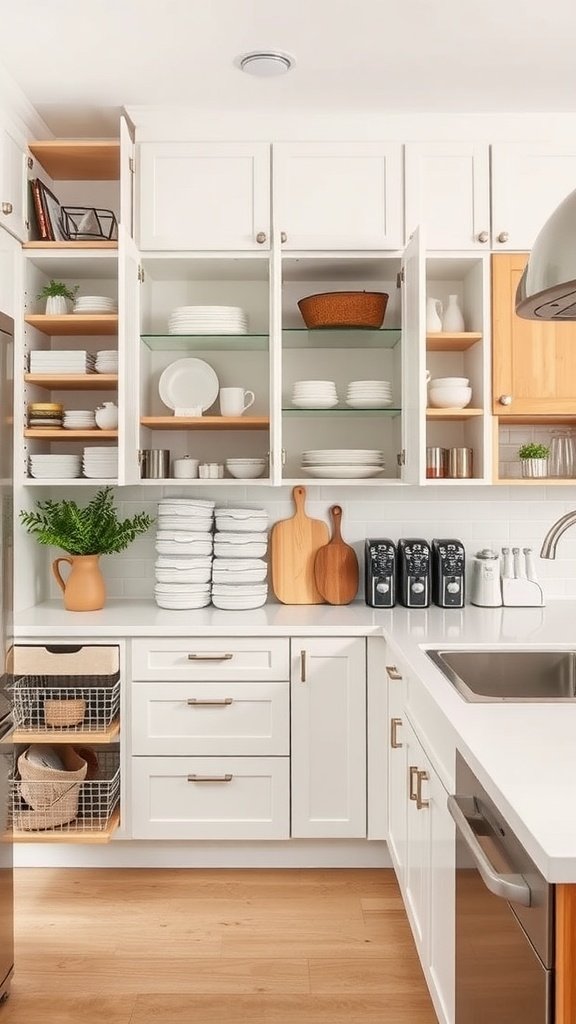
<point x="85" y="533"/>
<point x="534" y="459"/>
<point x="57" y="295"/>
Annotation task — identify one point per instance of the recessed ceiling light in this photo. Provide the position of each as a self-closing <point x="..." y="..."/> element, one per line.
<point x="265" y="63"/>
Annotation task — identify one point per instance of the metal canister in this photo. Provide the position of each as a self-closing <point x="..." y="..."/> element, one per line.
<point x="460" y="463"/>
<point x="154" y="463"/>
<point x="436" y="463"/>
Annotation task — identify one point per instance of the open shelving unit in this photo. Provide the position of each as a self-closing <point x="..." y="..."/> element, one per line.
<point x="73" y="381"/>
<point x="74" y="324"/>
<point x="205" y="422"/>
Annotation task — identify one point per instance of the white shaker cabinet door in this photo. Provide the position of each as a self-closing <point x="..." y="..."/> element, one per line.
<point x="442" y="946"/>
<point x="397" y="773"/>
<point x="529" y="180"/>
<point x="204" y="195"/>
<point x="417" y="874"/>
<point x="338" y="195"/>
<point x="13" y="184"/>
<point x="448" y="192"/>
<point x="328" y="687"/>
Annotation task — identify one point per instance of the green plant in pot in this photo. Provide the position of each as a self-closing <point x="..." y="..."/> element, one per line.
<point x="85" y="533"/>
<point x="534" y="459"/>
<point x="57" y="295"/>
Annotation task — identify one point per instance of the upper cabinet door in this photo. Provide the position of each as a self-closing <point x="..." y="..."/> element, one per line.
<point x="204" y="195"/>
<point x="413" y="352"/>
<point x="13" y="184"/>
<point x="528" y="183"/>
<point x="448" y="192"/>
<point x="338" y="195"/>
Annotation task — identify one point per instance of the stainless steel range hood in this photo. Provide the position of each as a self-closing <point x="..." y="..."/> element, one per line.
<point x="547" y="289"/>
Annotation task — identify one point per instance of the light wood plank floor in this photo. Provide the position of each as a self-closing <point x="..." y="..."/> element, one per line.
<point x="213" y="947"/>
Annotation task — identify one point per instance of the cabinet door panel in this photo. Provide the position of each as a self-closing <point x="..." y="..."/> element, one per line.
<point x="529" y="180"/>
<point x="338" y="195"/>
<point x="209" y="196"/>
<point x="397" y="786"/>
<point x="328" y="686"/>
<point x="442" y="951"/>
<point x="13" y="185"/>
<point x="417" y="875"/>
<point x="448" y="192"/>
<point x="533" y="362"/>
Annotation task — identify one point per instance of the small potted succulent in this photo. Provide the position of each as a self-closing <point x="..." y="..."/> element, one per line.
<point x="534" y="459"/>
<point x="58" y="296"/>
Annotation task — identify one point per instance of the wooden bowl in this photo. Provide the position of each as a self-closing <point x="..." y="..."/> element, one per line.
<point x="344" y="309"/>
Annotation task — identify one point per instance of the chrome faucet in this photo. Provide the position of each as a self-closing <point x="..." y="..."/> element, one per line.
<point x="555" y="532"/>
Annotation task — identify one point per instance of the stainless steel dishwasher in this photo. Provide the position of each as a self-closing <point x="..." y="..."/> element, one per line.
<point x="504" y="917"/>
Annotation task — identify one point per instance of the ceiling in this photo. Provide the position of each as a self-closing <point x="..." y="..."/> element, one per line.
<point x="79" y="62"/>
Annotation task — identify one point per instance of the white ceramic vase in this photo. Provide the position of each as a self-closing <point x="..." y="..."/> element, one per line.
<point x="433" y="316"/>
<point x="57" y="305"/>
<point x="453" y="320"/>
<point x="106" y="416"/>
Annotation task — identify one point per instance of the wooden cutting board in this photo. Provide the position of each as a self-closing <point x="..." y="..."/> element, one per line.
<point x="293" y="546"/>
<point x="336" y="566"/>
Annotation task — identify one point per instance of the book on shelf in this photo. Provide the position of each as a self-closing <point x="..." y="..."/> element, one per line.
<point x="42" y="221"/>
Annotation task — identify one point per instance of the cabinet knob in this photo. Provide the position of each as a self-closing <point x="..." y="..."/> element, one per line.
<point x="283" y="236"/>
<point x="391" y="670"/>
<point x="503" y="236"/>
<point x="505" y="399"/>
<point x="261" y="237"/>
<point x="483" y="236"/>
<point x="7" y="208"/>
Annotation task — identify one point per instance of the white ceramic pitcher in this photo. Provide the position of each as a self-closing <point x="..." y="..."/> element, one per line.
<point x="434" y="311"/>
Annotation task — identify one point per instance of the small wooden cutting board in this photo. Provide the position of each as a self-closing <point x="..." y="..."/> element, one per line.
<point x="293" y="545"/>
<point x="336" y="566"/>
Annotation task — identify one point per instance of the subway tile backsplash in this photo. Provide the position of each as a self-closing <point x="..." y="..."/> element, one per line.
<point x="479" y="516"/>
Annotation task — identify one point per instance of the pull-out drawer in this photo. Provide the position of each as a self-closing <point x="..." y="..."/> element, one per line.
<point x="210" y="797"/>
<point x="219" y="718"/>
<point x="245" y="658"/>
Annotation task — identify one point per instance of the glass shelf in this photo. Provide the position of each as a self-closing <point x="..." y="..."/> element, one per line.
<point x="199" y="342"/>
<point x="341" y="412"/>
<point x="343" y="337"/>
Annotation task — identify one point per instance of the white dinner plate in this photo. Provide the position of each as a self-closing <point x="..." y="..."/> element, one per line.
<point x="187" y="383"/>
<point x="344" y="472"/>
<point x="368" y="403"/>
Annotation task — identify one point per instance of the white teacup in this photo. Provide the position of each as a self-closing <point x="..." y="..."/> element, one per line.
<point x="233" y="401"/>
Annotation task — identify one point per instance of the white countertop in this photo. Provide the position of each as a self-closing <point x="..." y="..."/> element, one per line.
<point x="523" y="754"/>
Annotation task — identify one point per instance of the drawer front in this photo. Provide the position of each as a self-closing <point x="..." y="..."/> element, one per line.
<point x="210" y="798"/>
<point x="227" y="718"/>
<point x="243" y="658"/>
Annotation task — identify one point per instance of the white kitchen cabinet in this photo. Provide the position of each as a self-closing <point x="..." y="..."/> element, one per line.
<point x="397" y="770"/>
<point x="210" y="658"/>
<point x="338" y="195"/>
<point x="13" y="183"/>
<point x="417" y="867"/>
<point x="328" y="689"/>
<point x="204" y="195"/>
<point x="529" y="180"/>
<point x="447" y="188"/>
<point x="377" y="748"/>
<point x="442" y="906"/>
<point x="9" y="255"/>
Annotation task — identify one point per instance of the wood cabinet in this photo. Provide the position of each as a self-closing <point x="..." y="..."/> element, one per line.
<point x="447" y="189"/>
<point x="340" y="195"/>
<point x="13" y="184"/>
<point x="534" y="363"/>
<point x="328" y="689"/>
<point x="204" y="195"/>
<point x="529" y="180"/>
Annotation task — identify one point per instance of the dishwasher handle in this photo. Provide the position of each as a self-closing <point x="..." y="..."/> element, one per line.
<point x="508" y="887"/>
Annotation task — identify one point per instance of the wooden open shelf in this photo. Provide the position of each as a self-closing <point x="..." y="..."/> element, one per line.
<point x="448" y="342"/>
<point x="206" y="422"/>
<point x="70" y="834"/>
<point x="78" y="159"/>
<point x="70" y="245"/>
<point x="74" y="323"/>
<point x="453" y="414"/>
<point x="67" y="736"/>
<point x="59" y="434"/>
<point x="73" y="381"/>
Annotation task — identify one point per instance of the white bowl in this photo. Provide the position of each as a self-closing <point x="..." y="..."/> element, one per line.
<point x="449" y="382"/>
<point x="450" y="398"/>
<point x="246" y="472"/>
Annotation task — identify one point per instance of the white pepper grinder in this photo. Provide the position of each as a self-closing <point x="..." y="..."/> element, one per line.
<point x="486" y="588"/>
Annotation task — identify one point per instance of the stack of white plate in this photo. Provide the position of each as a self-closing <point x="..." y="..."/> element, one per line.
<point x="55" y="467"/>
<point x="184" y="547"/>
<point x="61" y="361"/>
<point x="240" y="545"/>
<point x="239" y="597"/>
<point x="208" y="320"/>
<point x="369" y="394"/>
<point x="314" y="394"/>
<point x="98" y="304"/>
<point x="100" y="463"/>
<point x="106" y="361"/>
<point x="79" y="419"/>
<point x="241" y="520"/>
<point x="345" y="463"/>
<point x="238" y="572"/>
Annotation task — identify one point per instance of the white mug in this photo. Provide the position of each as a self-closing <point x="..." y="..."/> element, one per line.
<point x="233" y="401"/>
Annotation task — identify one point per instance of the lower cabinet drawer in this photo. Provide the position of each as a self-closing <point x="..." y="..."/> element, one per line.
<point x="210" y="797"/>
<point x="211" y="718"/>
<point x="250" y="659"/>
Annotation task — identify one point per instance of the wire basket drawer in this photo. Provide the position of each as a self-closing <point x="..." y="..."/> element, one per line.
<point x="40" y="704"/>
<point x="85" y="806"/>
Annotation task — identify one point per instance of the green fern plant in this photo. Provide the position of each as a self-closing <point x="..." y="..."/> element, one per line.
<point x="54" y="288"/>
<point x="94" y="529"/>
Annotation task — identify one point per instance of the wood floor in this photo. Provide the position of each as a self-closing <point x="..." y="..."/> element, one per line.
<point x="213" y="947"/>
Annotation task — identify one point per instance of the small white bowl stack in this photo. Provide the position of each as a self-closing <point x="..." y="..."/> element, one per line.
<point x="184" y="549"/>
<point x="79" y="419"/>
<point x="314" y="394"/>
<point x="369" y="394"/>
<point x="239" y="571"/>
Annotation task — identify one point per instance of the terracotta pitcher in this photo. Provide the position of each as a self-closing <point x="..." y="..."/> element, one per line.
<point x="84" y="590"/>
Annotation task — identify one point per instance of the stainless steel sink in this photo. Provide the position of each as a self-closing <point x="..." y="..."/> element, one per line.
<point x="528" y="676"/>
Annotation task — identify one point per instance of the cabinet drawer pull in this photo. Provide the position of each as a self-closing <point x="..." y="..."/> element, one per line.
<point x="421" y="777"/>
<point x="210" y="778"/>
<point x="261" y="237"/>
<point x="503" y="236"/>
<point x="210" y="657"/>
<point x="7" y="208"/>
<point x="283" y="237"/>
<point x="195" y="703"/>
<point x="413" y="773"/>
<point x="393" y="672"/>
<point x="394" y="723"/>
<point x="483" y="236"/>
<point x="302" y="666"/>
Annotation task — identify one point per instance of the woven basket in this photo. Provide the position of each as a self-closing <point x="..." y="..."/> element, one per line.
<point x="344" y="309"/>
<point x="51" y="794"/>
<point x="60" y="713"/>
